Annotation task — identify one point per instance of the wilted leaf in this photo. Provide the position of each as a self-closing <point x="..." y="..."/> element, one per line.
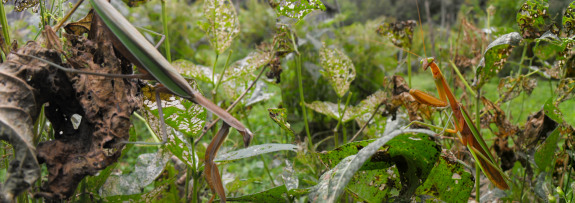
<point x="280" y="117"/>
<point x="532" y="17"/>
<point x="148" y="167"/>
<point x="544" y="155"/>
<point x="447" y="181"/>
<point x="492" y="113"/>
<point x="276" y="194"/>
<point x="564" y="90"/>
<point x="400" y="33"/>
<point x="197" y="72"/>
<point x="338" y="69"/>
<point x="298" y="9"/>
<point x="82" y="26"/>
<point x="20" y="5"/>
<point x="333" y="182"/>
<point x="255" y="150"/>
<point x="537" y="129"/>
<point x="569" y="19"/>
<point x="509" y="87"/>
<point x="495" y="57"/>
<point x="283" y="40"/>
<point x="223" y="24"/>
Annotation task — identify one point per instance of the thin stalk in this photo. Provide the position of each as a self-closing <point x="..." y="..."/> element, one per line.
<point x="477" y="176"/>
<point x="341" y="118"/>
<point x="267" y="170"/>
<point x="462" y="78"/>
<point x="5" y="31"/>
<point x="166" y="33"/>
<point x="409" y="69"/>
<point x="223" y="72"/>
<point x="214" y="67"/>
<point x="302" y="100"/>
<point x="478" y="123"/>
<point x="367" y="123"/>
<point x="522" y="58"/>
<point x="335" y="140"/>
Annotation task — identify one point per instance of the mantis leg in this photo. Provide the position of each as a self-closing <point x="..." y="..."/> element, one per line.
<point x="211" y="169"/>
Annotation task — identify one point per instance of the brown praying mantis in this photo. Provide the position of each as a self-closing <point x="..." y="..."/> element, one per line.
<point x="464" y="128"/>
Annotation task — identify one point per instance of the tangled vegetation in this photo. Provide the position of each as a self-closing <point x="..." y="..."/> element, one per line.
<point x="319" y="99"/>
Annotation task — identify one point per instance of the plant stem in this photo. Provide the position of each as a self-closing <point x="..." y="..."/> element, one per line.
<point x="214" y="67"/>
<point x="5" y="31"/>
<point x="166" y="33"/>
<point x="223" y="72"/>
<point x="478" y="123"/>
<point x="341" y="118"/>
<point x="302" y="100"/>
<point x="409" y="68"/>
<point x="267" y="170"/>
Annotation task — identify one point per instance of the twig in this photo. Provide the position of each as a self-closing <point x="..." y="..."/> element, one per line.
<point x="366" y="123"/>
<point x="205" y="130"/>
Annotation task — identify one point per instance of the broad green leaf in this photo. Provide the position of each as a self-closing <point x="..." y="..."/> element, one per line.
<point x="548" y="45"/>
<point x="378" y="185"/>
<point x="366" y="107"/>
<point x="179" y="113"/>
<point x="255" y="150"/>
<point x="333" y="182"/>
<point x="495" y="57"/>
<point x="276" y="194"/>
<point x="147" y="169"/>
<point x="565" y="90"/>
<point x="197" y="72"/>
<point x="338" y="69"/>
<point x="552" y="111"/>
<point x="544" y="155"/>
<point x="569" y="20"/>
<point x="330" y="109"/>
<point x="244" y="68"/>
<point x="223" y="24"/>
<point x="297" y="9"/>
<point x="447" y="181"/>
<point x="532" y="17"/>
<point x="280" y="117"/>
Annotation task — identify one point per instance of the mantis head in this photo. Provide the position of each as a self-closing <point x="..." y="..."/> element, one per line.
<point x="426" y="62"/>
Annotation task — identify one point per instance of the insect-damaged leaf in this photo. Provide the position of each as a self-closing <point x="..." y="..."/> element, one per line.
<point x="20" y="5"/>
<point x="330" y="109"/>
<point x="338" y="69"/>
<point x="296" y="9"/>
<point x="532" y="18"/>
<point x="276" y="194"/>
<point x="82" y="26"/>
<point x="223" y="24"/>
<point x="565" y="90"/>
<point x="179" y="113"/>
<point x="148" y="167"/>
<point x="417" y="150"/>
<point x="544" y="155"/>
<point x="245" y="67"/>
<point x="510" y="87"/>
<point x="254" y="151"/>
<point x="495" y="57"/>
<point x="280" y="117"/>
<point x="569" y="19"/>
<point x="400" y="33"/>
<point x="197" y="72"/>
<point x="447" y="181"/>
<point x="549" y="45"/>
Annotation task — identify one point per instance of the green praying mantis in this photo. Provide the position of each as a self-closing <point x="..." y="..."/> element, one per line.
<point x="134" y="46"/>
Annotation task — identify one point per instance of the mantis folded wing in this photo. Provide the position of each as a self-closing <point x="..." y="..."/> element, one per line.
<point x="468" y="134"/>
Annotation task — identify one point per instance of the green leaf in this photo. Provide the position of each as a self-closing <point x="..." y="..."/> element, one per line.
<point x="223" y="24"/>
<point x="333" y="182"/>
<point x="254" y="151"/>
<point x="495" y="57"/>
<point x="447" y="181"/>
<point x="338" y="69"/>
<point x="569" y="20"/>
<point x="544" y="155"/>
<point x="280" y="117"/>
<point x="552" y="111"/>
<point x="298" y="9"/>
<point x="366" y="107"/>
<point x="244" y="68"/>
<point x="532" y="18"/>
<point x="197" y="72"/>
<point x="276" y="194"/>
<point x="147" y="169"/>
<point x="548" y="45"/>
<point x="330" y="109"/>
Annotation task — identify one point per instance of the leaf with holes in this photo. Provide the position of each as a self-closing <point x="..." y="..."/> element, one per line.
<point x="338" y="69"/>
<point x="198" y="72"/>
<point x="223" y="24"/>
<point x="331" y="110"/>
<point x="532" y="18"/>
<point x="298" y="9"/>
<point x="569" y="20"/>
<point x="280" y="117"/>
<point x="565" y="90"/>
<point x="447" y="181"/>
<point x="495" y="57"/>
